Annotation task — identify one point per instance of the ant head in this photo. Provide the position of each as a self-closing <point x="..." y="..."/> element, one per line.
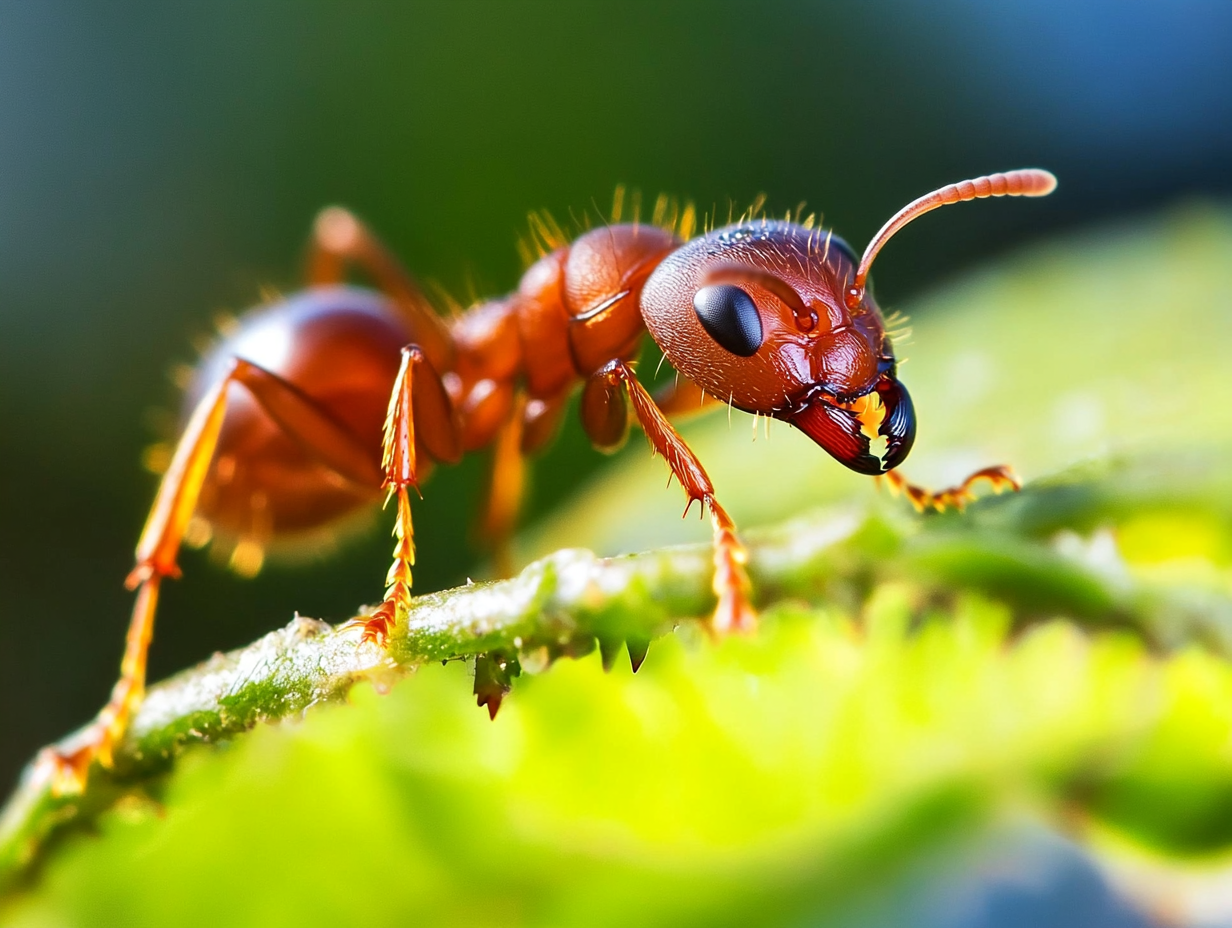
<point x="755" y="314"/>
<point x="777" y="319"/>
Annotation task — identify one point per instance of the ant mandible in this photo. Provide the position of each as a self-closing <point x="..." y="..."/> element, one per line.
<point x="348" y="393"/>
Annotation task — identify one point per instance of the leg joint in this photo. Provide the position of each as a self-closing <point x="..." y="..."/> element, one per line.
<point x="145" y="571"/>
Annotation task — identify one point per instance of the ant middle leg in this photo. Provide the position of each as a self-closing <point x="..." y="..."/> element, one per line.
<point x="601" y="416"/>
<point x="421" y="417"/>
<point x="506" y="485"/>
<point x="300" y="417"/>
<point x="1000" y="477"/>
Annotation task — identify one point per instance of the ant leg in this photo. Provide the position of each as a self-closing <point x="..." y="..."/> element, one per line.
<point x="541" y="419"/>
<point x="506" y="481"/>
<point x="421" y="415"/>
<point x="1000" y="478"/>
<point x="734" y="612"/>
<point x="338" y="239"/>
<point x="684" y="398"/>
<point x="299" y="416"/>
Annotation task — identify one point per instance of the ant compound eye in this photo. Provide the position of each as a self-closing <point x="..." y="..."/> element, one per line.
<point x="730" y="317"/>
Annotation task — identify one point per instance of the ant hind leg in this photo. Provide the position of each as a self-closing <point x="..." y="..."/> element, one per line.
<point x="299" y="416"/>
<point x="339" y="239"/>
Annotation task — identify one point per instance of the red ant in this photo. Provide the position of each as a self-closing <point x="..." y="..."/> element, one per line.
<point x="349" y="393"/>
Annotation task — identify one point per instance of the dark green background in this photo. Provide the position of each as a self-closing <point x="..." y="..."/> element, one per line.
<point x="159" y="162"/>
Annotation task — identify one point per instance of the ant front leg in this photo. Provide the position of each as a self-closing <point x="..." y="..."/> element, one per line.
<point x="297" y="415"/>
<point x="602" y="414"/>
<point x="1000" y="477"/>
<point x="421" y="417"/>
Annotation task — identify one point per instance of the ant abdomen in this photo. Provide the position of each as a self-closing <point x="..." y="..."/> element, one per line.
<point x="340" y="346"/>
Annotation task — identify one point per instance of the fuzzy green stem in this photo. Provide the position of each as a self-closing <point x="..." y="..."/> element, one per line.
<point x="566" y="604"/>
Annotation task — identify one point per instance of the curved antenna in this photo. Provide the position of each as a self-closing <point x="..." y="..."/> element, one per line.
<point x="1028" y="182"/>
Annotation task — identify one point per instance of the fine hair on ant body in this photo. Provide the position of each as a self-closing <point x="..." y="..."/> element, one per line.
<point x="321" y="402"/>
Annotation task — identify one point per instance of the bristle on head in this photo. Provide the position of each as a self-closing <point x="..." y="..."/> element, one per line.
<point x="756" y="209"/>
<point x="686" y="225"/>
<point x="897" y="328"/>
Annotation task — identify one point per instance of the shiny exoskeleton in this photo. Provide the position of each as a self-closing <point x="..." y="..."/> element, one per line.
<point x="320" y="403"/>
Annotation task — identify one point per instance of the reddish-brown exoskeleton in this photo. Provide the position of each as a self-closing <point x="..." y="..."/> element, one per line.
<point x="319" y="403"/>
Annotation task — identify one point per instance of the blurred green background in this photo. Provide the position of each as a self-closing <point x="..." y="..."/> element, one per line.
<point x="159" y="163"/>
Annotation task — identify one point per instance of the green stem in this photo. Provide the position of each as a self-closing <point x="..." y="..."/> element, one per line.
<point x="566" y="604"/>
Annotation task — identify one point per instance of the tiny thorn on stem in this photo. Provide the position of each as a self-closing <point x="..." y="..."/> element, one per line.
<point x="494" y="673"/>
<point x="637" y="652"/>
<point x="609" y="648"/>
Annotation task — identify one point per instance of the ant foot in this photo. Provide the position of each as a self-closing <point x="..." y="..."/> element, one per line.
<point x="65" y="772"/>
<point x="67" y="769"/>
<point x="1000" y="477"/>
<point x="734" y="612"/>
<point x="376" y="627"/>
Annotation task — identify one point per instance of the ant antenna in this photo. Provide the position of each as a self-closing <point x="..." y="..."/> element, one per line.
<point x="1028" y="182"/>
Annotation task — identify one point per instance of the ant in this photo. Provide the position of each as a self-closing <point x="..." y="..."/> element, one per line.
<point x="348" y="393"/>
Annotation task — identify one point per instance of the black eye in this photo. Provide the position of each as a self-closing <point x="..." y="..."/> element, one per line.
<point x="730" y="317"/>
